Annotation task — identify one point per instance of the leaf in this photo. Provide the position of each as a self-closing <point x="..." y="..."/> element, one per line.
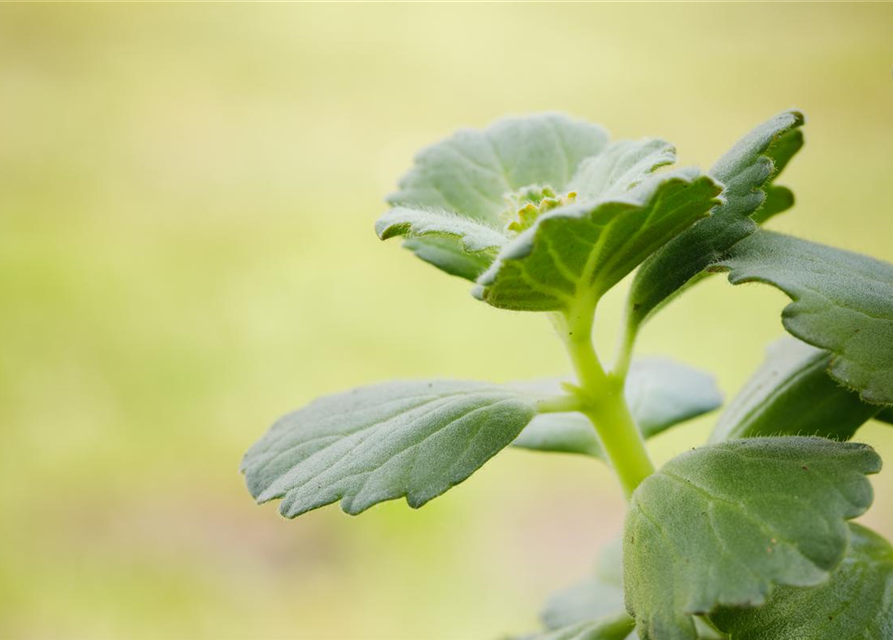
<point x="454" y="243"/>
<point x="616" y="627"/>
<point x="724" y="524"/>
<point x="620" y="167"/>
<point x="470" y="172"/>
<point x="469" y="176"/>
<point x="447" y="254"/>
<point x="747" y="171"/>
<point x="855" y="604"/>
<point x="842" y="302"/>
<point x="886" y="415"/>
<point x="792" y="394"/>
<point x="660" y="394"/>
<point x="473" y="235"/>
<point x="377" y="443"/>
<point x="585" y="248"/>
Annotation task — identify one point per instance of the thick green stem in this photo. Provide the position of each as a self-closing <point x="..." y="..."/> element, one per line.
<point x="603" y="401"/>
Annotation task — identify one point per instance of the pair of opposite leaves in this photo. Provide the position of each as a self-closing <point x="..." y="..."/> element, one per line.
<point x="542" y="250"/>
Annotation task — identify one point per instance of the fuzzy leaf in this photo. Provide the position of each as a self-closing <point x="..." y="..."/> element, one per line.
<point x="842" y="302"/>
<point x="620" y="167"/>
<point x="724" y="524"/>
<point x="454" y="243"/>
<point x="855" y="604"/>
<point x="413" y="439"/>
<point x="469" y="176"/>
<point x="585" y="248"/>
<point x="446" y="253"/>
<point x="792" y="394"/>
<point x="660" y="393"/>
<point x="747" y="171"/>
<point x="470" y="172"/>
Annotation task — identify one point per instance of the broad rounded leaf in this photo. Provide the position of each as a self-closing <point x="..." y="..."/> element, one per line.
<point x="472" y="175"/>
<point x="855" y="604"/>
<point x="660" y="393"/>
<point x="472" y="171"/>
<point x="724" y="524"/>
<point x="413" y="439"/>
<point x="588" y="247"/>
<point x="792" y="394"/>
<point x="842" y="302"/>
<point x="747" y="171"/>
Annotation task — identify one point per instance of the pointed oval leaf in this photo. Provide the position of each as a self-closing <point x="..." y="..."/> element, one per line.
<point x="842" y="302"/>
<point x="586" y="248"/>
<point x="792" y="394"/>
<point x="747" y="171"/>
<point x="412" y="439"/>
<point x="855" y="604"/>
<point x="724" y="524"/>
<point x="660" y="393"/>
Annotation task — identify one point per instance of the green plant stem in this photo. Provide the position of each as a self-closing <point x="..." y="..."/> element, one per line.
<point x="603" y="401"/>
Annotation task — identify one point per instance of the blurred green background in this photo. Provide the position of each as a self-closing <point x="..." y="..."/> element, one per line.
<point x="187" y="195"/>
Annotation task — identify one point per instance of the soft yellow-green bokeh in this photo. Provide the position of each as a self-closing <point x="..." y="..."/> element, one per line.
<point x="186" y="251"/>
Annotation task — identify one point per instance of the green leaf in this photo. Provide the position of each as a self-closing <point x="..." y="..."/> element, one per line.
<point x="615" y="627"/>
<point x="471" y="194"/>
<point x="473" y="235"/>
<point x="471" y="176"/>
<point x="792" y="394"/>
<point x="778" y="198"/>
<point x="454" y="243"/>
<point x="447" y="254"/>
<point x="747" y="171"/>
<point x="855" y="604"/>
<point x="585" y="248"/>
<point x="620" y="167"/>
<point x="660" y="393"/>
<point x="724" y="524"/>
<point x="886" y="415"/>
<point x="413" y="439"/>
<point x="842" y="302"/>
<point x="472" y="171"/>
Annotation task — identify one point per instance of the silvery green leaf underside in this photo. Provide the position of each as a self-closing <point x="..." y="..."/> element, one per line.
<point x="722" y="525"/>
<point x="386" y="441"/>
